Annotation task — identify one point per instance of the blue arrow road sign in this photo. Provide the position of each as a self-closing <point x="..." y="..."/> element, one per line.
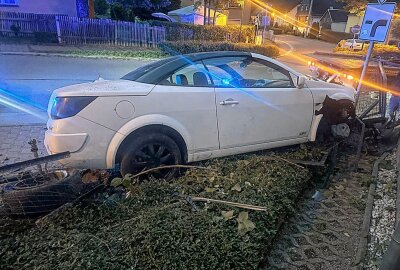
<point x="377" y="20"/>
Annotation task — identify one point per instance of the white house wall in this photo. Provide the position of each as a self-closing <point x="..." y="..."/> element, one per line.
<point x="338" y="27"/>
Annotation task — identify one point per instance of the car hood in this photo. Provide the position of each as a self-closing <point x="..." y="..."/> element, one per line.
<point x="321" y="89"/>
<point x="105" y="88"/>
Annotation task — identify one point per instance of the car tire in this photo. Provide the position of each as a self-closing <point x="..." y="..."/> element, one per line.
<point x="151" y="151"/>
<point x="40" y="199"/>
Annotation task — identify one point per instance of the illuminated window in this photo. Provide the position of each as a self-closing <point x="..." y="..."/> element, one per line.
<point x="9" y="2"/>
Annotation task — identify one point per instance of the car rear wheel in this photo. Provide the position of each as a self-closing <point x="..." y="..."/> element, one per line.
<point x="152" y="151"/>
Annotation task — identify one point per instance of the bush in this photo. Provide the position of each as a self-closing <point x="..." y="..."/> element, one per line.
<point x="45" y="37"/>
<point x="156" y="229"/>
<point x="277" y="31"/>
<point x="334" y="37"/>
<point x="184" y="47"/>
<point x="181" y="31"/>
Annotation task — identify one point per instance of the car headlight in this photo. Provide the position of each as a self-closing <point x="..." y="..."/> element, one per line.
<point x="64" y="107"/>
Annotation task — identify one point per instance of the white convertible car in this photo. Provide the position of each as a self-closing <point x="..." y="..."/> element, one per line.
<point x="190" y="108"/>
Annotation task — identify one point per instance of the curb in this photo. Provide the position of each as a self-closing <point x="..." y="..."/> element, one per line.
<point x="341" y="55"/>
<point x="364" y="231"/>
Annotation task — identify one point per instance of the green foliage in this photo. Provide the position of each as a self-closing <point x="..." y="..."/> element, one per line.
<point x="358" y="6"/>
<point x="180" y="31"/>
<point x="157" y="229"/>
<point x="334" y="37"/>
<point x="16" y="29"/>
<point x="45" y="37"/>
<point x="144" y="8"/>
<point x="101" y="7"/>
<point x="118" y="12"/>
<point x="184" y="47"/>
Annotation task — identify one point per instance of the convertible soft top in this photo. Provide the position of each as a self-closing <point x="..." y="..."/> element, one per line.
<point x="155" y="72"/>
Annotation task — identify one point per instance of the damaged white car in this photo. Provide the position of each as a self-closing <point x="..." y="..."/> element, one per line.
<point x="190" y="108"/>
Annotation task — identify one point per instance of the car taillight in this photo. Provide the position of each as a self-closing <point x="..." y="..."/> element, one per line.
<point x="64" y="107"/>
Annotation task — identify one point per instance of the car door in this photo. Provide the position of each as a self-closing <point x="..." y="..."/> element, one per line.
<point x="187" y="96"/>
<point x="257" y="102"/>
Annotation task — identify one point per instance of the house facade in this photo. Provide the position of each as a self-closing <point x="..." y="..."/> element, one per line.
<point x="75" y="8"/>
<point x="335" y="20"/>
<point x="318" y="9"/>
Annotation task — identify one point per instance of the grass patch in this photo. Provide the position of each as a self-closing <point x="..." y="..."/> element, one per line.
<point x="146" y="54"/>
<point x="156" y="229"/>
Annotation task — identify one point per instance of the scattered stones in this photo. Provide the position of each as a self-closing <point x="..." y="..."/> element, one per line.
<point x="383" y="213"/>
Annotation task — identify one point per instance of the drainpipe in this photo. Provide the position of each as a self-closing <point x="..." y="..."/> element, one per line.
<point x="391" y="259"/>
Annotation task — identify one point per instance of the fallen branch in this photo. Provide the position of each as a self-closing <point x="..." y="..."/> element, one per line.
<point x="287" y="161"/>
<point x="171" y="167"/>
<point x="239" y="205"/>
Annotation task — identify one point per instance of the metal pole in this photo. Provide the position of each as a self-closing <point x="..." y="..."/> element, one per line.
<point x="309" y="19"/>
<point x="391" y="259"/>
<point x="367" y="58"/>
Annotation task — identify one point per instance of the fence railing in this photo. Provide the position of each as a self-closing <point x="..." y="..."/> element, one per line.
<point x="26" y="24"/>
<point x="72" y="30"/>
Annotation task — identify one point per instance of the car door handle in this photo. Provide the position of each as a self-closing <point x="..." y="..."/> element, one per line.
<point x="229" y="102"/>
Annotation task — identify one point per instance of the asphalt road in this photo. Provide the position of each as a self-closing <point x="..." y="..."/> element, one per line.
<point x="292" y="48"/>
<point x="32" y="79"/>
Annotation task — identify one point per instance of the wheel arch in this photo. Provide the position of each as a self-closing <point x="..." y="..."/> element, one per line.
<point x="331" y="104"/>
<point x="149" y="123"/>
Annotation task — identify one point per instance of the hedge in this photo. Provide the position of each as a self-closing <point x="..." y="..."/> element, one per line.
<point x="157" y="229"/>
<point x="334" y="37"/>
<point x="181" y="31"/>
<point x="184" y="47"/>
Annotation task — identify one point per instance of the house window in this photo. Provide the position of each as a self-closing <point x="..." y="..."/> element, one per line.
<point x="9" y="2"/>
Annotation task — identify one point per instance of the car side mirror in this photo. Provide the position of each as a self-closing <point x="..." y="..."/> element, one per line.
<point x="301" y="81"/>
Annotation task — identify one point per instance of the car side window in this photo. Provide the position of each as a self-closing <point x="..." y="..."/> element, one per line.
<point x="247" y="72"/>
<point x="191" y="75"/>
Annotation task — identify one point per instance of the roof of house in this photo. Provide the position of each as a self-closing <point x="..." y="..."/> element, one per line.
<point x="320" y="6"/>
<point x="183" y="11"/>
<point x="338" y="15"/>
<point x="190" y="10"/>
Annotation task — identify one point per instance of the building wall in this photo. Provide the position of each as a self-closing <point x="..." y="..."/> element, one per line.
<point x="62" y="7"/>
<point x="338" y="27"/>
<point x="351" y="21"/>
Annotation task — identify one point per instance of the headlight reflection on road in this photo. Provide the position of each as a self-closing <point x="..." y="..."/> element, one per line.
<point x="12" y="101"/>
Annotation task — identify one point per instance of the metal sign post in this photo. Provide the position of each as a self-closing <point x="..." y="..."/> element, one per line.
<point x="375" y="28"/>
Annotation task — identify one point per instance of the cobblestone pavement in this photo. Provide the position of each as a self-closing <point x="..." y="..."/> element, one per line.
<point x="323" y="235"/>
<point x="14" y="145"/>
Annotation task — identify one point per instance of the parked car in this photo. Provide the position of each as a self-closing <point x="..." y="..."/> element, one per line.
<point x="190" y="108"/>
<point x="354" y="44"/>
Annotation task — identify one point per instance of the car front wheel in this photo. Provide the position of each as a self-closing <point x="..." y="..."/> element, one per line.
<point x="152" y="151"/>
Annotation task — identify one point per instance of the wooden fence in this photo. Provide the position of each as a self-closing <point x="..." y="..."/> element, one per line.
<point x="26" y="24"/>
<point x="73" y="30"/>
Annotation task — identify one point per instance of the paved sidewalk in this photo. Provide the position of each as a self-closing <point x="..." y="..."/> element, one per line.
<point x="14" y="145"/>
<point x="323" y="235"/>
